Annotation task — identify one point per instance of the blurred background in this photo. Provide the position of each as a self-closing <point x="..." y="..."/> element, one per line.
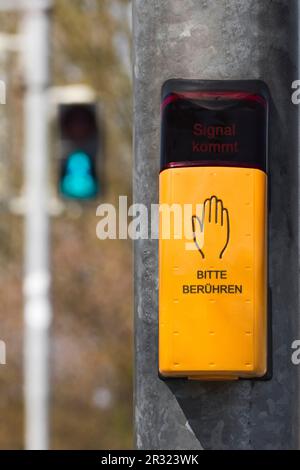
<point x="91" y="336"/>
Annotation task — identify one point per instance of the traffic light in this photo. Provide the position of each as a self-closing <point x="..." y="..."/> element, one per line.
<point x="80" y="144"/>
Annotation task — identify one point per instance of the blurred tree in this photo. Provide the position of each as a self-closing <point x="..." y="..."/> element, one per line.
<point x="11" y="411"/>
<point x="92" y="280"/>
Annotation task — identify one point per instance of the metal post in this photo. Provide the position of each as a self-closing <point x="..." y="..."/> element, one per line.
<point x="3" y="126"/>
<point x="37" y="306"/>
<point x="232" y="39"/>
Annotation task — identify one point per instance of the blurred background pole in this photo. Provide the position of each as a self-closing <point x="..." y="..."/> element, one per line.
<point x="37" y="305"/>
<point x="232" y="39"/>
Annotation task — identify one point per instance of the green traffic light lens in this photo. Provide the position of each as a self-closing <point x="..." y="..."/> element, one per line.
<point x="78" y="181"/>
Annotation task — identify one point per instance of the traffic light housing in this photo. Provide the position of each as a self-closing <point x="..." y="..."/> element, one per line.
<point x="80" y="144"/>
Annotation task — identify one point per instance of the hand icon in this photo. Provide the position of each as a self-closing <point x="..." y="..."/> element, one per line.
<point x="214" y="226"/>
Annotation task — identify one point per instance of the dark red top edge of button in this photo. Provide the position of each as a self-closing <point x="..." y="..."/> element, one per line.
<point x="233" y="95"/>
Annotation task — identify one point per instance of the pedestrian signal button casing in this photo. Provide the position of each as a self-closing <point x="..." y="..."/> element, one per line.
<point x="213" y="230"/>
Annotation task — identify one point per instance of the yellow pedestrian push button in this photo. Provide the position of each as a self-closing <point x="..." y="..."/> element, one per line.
<point x="213" y="317"/>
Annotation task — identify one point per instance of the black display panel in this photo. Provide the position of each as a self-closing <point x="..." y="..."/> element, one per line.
<point x="212" y="127"/>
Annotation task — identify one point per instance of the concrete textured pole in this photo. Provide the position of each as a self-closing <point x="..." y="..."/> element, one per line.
<point x="232" y="39"/>
<point x="37" y="306"/>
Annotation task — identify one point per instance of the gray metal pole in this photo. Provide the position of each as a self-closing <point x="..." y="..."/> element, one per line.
<point x="4" y="187"/>
<point x="232" y="39"/>
<point x="37" y="306"/>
